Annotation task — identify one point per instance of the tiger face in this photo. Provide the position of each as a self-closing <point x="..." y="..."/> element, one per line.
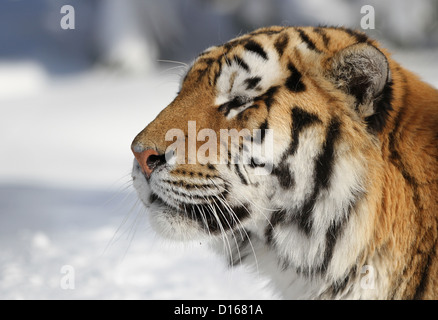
<point x="284" y="91"/>
<point x="273" y="145"/>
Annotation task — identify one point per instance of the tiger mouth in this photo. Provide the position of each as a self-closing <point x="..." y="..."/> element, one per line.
<point x="213" y="215"/>
<point x="204" y="201"/>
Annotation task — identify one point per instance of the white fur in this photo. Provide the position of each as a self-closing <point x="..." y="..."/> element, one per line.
<point x="268" y="70"/>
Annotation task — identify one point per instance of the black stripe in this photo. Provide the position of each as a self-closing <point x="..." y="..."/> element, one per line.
<point x="276" y="218"/>
<point x="251" y="83"/>
<point x="302" y="217"/>
<point x="239" y="173"/>
<point x="358" y="36"/>
<point x="240" y="212"/>
<point x="383" y="105"/>
<point x="268" y="97"/>
<point x="325" y="162"/>
<point x="229" y="160"/>
<point x="323" y="171"/>
<point x="281" y="43"/>
<point x="397" y="160"/>
<point x="305" y="38"/>
<point x="256" y="48"/>
<point x="207" y="61"/>
<point x="300" y="120"/>
<point x="334" y="232"/>
<point x="267" y="32"/>
<point x="324" y="36"/>
<point x="396" y="123"/>
<point x="425" y="271"/>
<point x="282" y="172"/>
<point x="239" y="61"/>
<point x="218" y="73"/>
<point x="340" y="286"/>
<point x="201" y="73"/>
<point x="256" y="163"/>
<point x="293" y="82"/>
<point x="244" y="114"/>
<point x="394" y="155"/>
<point x="228" y="61"/>
<point x="153" y="197"/>
<point x="260" y="137"/>
<point x="233" y="104"/>
<point x="330" y="241"/>
<point x="230" y="44"/>
<point x="411" y="180"/>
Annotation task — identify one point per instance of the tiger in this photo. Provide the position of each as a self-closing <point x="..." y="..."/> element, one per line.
<point x="341" y="203"/>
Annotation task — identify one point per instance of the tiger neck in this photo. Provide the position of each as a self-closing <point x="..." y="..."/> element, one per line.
<point x="355" y="257"/>
<point x="406" y="220"/>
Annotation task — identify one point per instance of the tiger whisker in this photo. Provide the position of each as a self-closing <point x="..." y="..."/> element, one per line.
<point x="165" y="71"/>
<point x="173" y="61"/>
<point x="204" y="220"/>
<point x="230" y="227"/>
<point x="223" y="233"/>
<point x="122" y="223"/>
<point x="203" y="216"/>
<point x="232" y="233"/>
<point x="251" y="202"/>
<point x="237" y="221"/>
<point x="242" y="228"/>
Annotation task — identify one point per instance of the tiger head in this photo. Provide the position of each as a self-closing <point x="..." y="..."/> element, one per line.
<point x="272" y="135"/>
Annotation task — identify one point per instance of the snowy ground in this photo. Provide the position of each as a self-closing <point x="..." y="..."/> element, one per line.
<point x="45" y="229"/>
<point x="65" y="196"/>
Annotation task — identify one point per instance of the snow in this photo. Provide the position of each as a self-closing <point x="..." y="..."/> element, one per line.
<point x="68" y="214"/>
<point x="44" y="230"/>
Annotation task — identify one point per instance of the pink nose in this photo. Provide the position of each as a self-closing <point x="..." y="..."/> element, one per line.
<point x="147" y="160"/>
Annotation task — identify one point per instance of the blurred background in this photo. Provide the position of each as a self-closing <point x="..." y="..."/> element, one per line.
<point x="72" y="100"/>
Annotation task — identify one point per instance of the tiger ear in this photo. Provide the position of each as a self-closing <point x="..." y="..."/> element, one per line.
<point x="362" y="71"/>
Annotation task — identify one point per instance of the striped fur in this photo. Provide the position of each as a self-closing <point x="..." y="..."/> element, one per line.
<point x="347" y="207"/>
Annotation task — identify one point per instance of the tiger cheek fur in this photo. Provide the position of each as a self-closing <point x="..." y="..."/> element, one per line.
<point x="308" y="153"/>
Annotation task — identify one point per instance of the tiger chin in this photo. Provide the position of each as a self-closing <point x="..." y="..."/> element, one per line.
<point x="340" y="199"/>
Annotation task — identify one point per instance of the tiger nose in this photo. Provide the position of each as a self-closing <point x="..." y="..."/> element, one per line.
<point x="148" y="160"/>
